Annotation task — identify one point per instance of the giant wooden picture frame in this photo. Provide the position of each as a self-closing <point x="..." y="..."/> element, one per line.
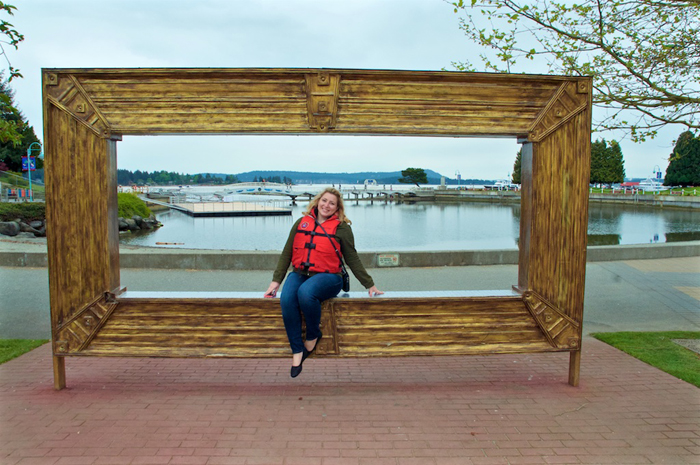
<point x="86" y="111"/>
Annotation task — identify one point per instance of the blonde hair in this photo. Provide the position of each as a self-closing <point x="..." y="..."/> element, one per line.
<point x="341" y="207"/>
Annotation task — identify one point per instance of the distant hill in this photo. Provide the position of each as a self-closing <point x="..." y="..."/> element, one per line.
<point x="127" y="177"/>
<point x="307" y="177"/>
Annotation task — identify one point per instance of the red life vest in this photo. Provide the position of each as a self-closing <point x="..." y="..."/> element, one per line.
<point x="313" y="250"/>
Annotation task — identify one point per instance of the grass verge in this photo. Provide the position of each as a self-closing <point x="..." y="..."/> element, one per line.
<point x="12" y="348"/>
<point x="658" y="350"/>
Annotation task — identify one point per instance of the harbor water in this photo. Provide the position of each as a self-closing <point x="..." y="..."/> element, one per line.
<point x="423" y="226"/>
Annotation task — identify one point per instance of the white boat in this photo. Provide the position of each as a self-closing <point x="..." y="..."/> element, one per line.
<point x="503" y="185"/>
<point x="650" y="184"/>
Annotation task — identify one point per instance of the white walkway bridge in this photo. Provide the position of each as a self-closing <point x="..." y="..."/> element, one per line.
<point x="352" y="192"/>
<point x="228" y="193"/>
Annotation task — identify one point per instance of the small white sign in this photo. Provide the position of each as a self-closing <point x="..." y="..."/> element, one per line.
<point x="388" y="259"/>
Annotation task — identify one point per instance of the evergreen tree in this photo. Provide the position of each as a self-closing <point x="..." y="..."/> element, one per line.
<point x="517" y="169"/>
<point x="597" y="156"/>
<point x="616" y="163"/>
<point x="15" y="134"/>
<point x="684" y="163"/>
<point x="124" y="177"/>
<point x="163" y="178"/>
<point x="607" y="164"/>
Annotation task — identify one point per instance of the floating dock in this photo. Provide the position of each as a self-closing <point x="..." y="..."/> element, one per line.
<point x="214" y="209"/>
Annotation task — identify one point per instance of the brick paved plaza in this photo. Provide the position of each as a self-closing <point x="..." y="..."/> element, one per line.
<point x="502" y="409"/>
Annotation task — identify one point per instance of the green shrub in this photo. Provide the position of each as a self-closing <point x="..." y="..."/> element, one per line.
<point x="26" y="211"/>
<point x="130" y="205"/>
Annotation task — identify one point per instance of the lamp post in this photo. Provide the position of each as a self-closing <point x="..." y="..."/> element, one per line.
<point x="29" y="167"/>
<point x="657" y="175"/>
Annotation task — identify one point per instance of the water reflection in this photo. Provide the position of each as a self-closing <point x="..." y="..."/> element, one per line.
<point x="381" y="226"/>
<point x="604" y="239"/>
<point x="683" y="236"/>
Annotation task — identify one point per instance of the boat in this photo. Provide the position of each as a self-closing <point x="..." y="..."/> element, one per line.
<point x="650" y="184"/>
<point x="503" y="185"/>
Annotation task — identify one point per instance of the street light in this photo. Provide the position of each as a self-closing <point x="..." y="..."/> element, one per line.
<point x="29" y="167"/>
<point x="657" y="175"/>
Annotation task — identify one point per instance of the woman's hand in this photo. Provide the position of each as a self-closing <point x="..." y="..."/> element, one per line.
<point x="374" y="291"/>
<point x="272" y="289"/>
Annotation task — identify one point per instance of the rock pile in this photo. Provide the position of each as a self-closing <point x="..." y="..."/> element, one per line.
<point x="38" y="228"/>
<point x="12" y="228"/>
<point x="136" y="223"/>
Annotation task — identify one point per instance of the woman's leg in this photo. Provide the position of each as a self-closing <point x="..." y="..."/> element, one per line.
<point x="311" y="293"/>
<point x="291" y="313"/>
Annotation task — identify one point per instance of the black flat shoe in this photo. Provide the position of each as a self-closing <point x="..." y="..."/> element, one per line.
<point x="309" y="352"/>
<point x="297" y="370"/>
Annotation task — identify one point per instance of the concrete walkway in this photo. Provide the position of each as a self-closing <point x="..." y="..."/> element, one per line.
<point x="501" y="409"/>
<point x="635" y="295"/>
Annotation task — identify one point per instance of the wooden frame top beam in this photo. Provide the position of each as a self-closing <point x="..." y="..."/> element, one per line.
<point x="309" y="101"/>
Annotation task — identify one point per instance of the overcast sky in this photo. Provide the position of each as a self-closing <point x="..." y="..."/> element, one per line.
<point x="385" y="34"/>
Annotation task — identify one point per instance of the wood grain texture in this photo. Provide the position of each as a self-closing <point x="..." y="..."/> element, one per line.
<point x="76" y="333"/>
<point x="435" y="326"/>
<point x="570" y="99"/>
<point x="87" y="110"/>
<point x="561" y="331"/>
<point x="231" y="101"/>
<point x="81" y="215"/>
<point x="352" y="327"/>
<point x="67" y="94"/>
<point x="526" y="216"/>
<point x="574" y="367"/>
<point x="59" y="373"/>
<point x="557" y="254"/>
<point x="322" y="100"/>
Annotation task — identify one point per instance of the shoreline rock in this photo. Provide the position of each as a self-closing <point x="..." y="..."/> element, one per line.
<point x="38" y="227"/>
<point x="10" y="228"/>
<point x="13" y="228"/>
<point x="137" y="223"/>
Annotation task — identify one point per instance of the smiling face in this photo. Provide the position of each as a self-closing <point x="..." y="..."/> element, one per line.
<point x="327" y="206"/>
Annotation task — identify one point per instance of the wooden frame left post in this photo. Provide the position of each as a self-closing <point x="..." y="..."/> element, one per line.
<point x="81" y="215"/>
<point x="59" y="372"/>
<point x="574" y="367"/>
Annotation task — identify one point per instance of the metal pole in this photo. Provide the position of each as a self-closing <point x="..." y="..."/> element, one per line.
<point x="29" y="171"/>
<point x="29" y="167"/>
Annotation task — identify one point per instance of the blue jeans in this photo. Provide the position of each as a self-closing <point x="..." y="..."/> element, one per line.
<point x="304" y="294"/>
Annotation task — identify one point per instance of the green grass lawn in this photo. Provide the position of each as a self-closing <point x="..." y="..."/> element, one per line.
<point x="12" y="348"/>
<point x="10" y="179"/>
<point x="659" y="350"/>
<point x="693" y="191"/>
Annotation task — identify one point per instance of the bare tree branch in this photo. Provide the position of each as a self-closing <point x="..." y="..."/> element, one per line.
<point x="644" y="55"/>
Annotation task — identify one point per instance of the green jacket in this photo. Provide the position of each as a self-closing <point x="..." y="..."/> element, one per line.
<point x="347" y="247"/>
